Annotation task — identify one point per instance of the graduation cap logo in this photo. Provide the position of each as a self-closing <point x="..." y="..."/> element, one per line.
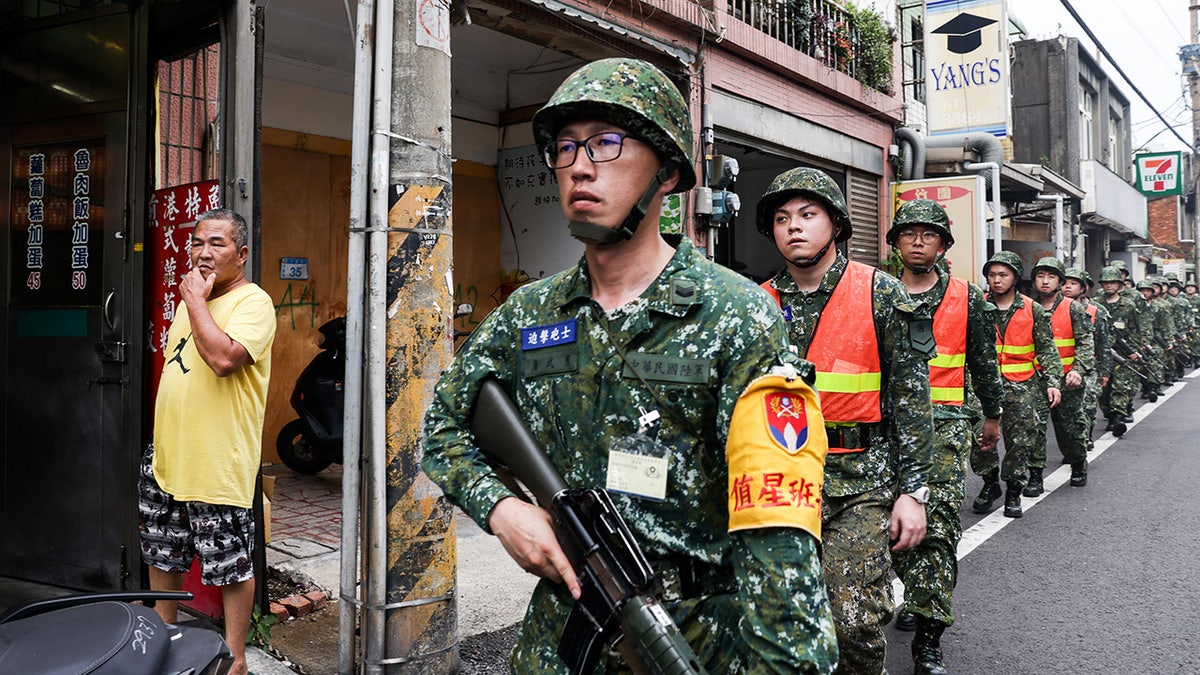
<point x="962" y="32"/>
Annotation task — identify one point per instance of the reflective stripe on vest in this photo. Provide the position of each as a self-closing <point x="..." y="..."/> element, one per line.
<point x="1015" y="347"/>
<point x="947" y="370"/>
<point x="845" y="351"/>
<point x="1064" y="333"/>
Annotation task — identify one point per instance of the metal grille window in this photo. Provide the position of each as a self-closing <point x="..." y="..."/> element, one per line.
<point x="187" y="113"/>
<point x="912" y="46"/>
<point x="862" y="198"/>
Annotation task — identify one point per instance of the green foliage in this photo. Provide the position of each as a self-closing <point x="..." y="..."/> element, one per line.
<point x="259" y="634"/>
<point x="874" y="53"/>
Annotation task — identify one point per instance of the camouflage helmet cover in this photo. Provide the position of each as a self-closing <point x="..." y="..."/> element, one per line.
<point x="1008" y="259"/>
<point x="808" y="181"/>
<point x="1190" y="282"/>
<point x="1119" y="265"/>
<point x="1078" y="274"/>
<point x="921" y="212"/>
<point x="630" y="94"/>
<point x="1053" y="264"/>
<point x="1110" y="273"/>
<point x="1145" y="285"/>
<point x="1173" y="279"/>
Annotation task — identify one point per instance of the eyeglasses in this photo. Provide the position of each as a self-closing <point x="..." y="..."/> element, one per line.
<point x="602" y="147"/>
<point x="928" y="236"/>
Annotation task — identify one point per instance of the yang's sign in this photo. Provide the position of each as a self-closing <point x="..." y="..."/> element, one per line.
<point x="1158" y="174"/>
<point x="966" y="67"/>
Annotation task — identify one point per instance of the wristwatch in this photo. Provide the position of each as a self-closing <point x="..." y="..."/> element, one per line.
<point x="921" y="494"/>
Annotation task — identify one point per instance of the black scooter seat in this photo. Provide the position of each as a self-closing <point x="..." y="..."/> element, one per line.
<point x="100" y="638"/>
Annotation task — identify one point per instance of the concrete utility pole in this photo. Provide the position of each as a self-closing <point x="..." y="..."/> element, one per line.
<point x="420" y="610"/>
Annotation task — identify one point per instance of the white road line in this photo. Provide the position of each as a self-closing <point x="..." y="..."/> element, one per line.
<point x="995" y="521"/>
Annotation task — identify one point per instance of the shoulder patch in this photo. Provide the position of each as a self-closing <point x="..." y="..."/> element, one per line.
<point x="776" y="456"/>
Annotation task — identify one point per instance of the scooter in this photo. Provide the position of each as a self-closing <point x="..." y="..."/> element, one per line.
<point x="103" y="634"/>
<point x="313" y="442"/>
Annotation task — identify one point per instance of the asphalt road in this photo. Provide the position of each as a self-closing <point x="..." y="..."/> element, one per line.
<point x="1095" y="580"/>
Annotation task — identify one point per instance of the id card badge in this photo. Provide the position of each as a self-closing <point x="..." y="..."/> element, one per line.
<point x="637" y="464"/>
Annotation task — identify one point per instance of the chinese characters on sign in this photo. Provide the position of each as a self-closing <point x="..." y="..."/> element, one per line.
<point x="57" y="205"/>
<point x="961" y="198"/>
<point x="173" y="213"/>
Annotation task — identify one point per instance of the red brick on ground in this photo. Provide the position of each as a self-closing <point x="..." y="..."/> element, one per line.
<point x="318" y="599"/>
<point x="297" y="605"/>
<point x="280" y="612"/>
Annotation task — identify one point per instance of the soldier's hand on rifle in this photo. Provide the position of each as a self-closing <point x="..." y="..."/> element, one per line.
<point x="1103" y="382"/>
<point x="1053" y="395"/>
<point x="990" y="436"/>
<point x="1074" y="380"/>
<point x="526" y="533"/>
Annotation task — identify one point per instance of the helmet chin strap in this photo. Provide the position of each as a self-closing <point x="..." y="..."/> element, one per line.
<point x="809" y="262"/>
<point x="923" y="269"/>
<point x="591" y="233"/>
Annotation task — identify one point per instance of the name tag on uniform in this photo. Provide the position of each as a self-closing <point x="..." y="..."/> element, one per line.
<point x="550" y="335"/>
<point x="638" y="475"/>
<point x="1119" y="325"/>
<point x="667" y="368"/>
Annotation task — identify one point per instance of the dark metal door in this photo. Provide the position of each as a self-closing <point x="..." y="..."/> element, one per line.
<point x="66" y="483"/>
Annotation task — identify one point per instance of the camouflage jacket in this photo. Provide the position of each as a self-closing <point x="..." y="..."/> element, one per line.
<point x="1162" y="314"/>
<point x="902" y="453"/>
<point x="1050" y="363"/>
<point x="699" y="335"/>
<point x="1101" y="339"/>
<point x="1125" y="324"/>
<point x="1081" y="326"/>
<point x="1145" y="316"/>
<point x="983" y="369"/>
<point x="1183" y="314"/>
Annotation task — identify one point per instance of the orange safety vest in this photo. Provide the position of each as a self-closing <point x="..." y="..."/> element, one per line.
<point x="1091" y="310"/>
<point x="1064" y="333"/>
<point x="1015" y="347"/>
<point x="845" y="352"/>
<point x="947" y="370"/>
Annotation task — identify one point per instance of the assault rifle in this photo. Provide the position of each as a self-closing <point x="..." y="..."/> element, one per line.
<point x="617" y="606"/>
<point x="1125" y="362"/>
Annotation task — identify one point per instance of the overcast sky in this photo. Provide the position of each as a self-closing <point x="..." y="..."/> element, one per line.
<point x="1144" y="37"/>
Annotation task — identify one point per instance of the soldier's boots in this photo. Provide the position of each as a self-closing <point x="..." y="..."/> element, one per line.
<point x="1034" y="487"/>
<point x="1116" y="424"/>
<point x="1079" y="474"/>
<point x="1012" y="500"/>
<point x="906" y="621"/>
<point x="927" y="647"/>
<point x="989" y="494"/>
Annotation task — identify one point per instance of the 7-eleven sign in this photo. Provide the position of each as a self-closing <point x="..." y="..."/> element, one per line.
<point x="1159" y="174"/>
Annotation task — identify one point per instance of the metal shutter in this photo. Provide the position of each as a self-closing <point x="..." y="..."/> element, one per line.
<point x="863" y="200"/>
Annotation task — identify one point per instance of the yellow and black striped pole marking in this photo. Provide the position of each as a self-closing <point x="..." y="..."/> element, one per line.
<point x="422" y="557"/>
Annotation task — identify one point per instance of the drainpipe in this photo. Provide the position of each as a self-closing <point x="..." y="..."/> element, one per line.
<point x="1058" y="225"/>
<point x="913" y="163"/>
<point x="375" y="409"/>
<point x="992" y="177"/>
<point x="352" y="420"/>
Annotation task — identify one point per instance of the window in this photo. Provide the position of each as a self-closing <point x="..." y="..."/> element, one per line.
<point x="1087" y="132"/>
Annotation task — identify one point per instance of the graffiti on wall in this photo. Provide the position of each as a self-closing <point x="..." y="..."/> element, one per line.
<point x="293" y="300"/>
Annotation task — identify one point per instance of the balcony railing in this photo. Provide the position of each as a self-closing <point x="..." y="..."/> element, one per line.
<point x="826" y="31"/>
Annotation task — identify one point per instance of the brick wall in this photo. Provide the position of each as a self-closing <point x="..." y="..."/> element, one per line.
<point x="1163" y="214"/>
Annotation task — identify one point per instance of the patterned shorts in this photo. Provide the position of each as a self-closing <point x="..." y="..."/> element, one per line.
<point x="174" y="532"/>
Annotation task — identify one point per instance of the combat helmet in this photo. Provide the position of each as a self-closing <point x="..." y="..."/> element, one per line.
<point x="924" y="212"/>
<point x="1145" y="285"/>
<point x="1078" y="274"/>
<point x="1173" y="280"/>
<point x="808" y="181"/>
<point x="1110" y="273"/>
<point x="1008" y="259"/>
<point x="1053" y="264"/>
<point x="1119" y="265"/>
<point x="631" y="94"/>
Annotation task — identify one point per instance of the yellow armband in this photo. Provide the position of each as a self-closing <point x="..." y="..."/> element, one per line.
<point x="776" y="455"/>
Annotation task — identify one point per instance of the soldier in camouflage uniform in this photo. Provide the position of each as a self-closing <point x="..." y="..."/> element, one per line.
<point x="1077" y="287"/>
<point x="966" y="353"/>
<point x="642" y="324"/>
<point x="1072" y="328"/>
<point x="1022" y="333"/>
<point x="857" y="325"/>
<point x="1125" y="334"/>
<point x="1160" y="335"/>
<point x="1182" y="315"/>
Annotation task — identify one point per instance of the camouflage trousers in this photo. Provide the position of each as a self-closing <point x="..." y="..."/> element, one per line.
<point x="857" y="562"/>
<point x="1023" y="426"/>
<point x="930" y="570"/>
<point x="1117" y="397"/>
<point x="1087" y="415"/>
<point x="1069" y="431"/>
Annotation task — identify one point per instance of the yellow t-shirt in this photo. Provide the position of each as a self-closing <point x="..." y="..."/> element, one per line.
<point x="208" y="429"/>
